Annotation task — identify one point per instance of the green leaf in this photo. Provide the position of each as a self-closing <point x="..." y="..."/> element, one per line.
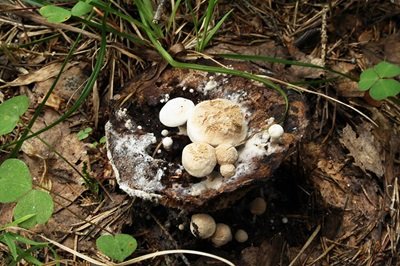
<point x="81" y="8"/>
<point x="10" y="111"/>
<point x="117" y="247"/>
<point x="84" y="133"/>
<point x="9" y="240"/>
<point x="214" y="30"/>
<point x="55" y="14"/>
<point x="17" y="222"/>
<point x="367" y="78"/>
<point x="15" y="180"/>
<point x="384" y="88"/>
<point x="387" y="70"/>
<point x="35" y="202"/>
<point x="32" y="260"/>
<point x="103" y="140"/>
<point x="27" y="241"/>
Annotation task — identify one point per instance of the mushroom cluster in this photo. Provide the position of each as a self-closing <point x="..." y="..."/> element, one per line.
<point x="203" y="226"/>
<point x="215" y="127"/>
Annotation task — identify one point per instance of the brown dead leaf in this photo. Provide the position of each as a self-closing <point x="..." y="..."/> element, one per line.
<point x="68" y="87"/>
<point x="42" y="74"/>
<point x="366" y="36"/>
<point x="364" y="148"/>
<point x="392" y="48"/>
<point x="348" y="88"/>
<point x="6" y="212"/>
<point x="300" y="72"/>
<point x="45" y="164"/>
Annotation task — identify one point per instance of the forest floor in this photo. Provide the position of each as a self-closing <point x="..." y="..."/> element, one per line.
<point x="333" y="200"/>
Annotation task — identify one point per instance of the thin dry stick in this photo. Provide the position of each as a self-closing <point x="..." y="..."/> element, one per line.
<point x="138" y="259"/>
<point x="324" y="36"/>
<point x="322" y="255"/>
<point x="310" y="239"/>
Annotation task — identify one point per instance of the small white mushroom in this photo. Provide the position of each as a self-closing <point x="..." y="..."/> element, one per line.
<point x="164" y="132"/>
<point x="227" y="170"/>
<point x="222" y="235"/>
<point x="176" y="112"/>
<point x="226" y="154"/>
<point x="275" y="131"/>
<point x="199" y="159"/>
<point x="258" y="206"/>
<point x="241" y="236"/>
<point x="167" y="143"/>
<point x="217" y="121"/>
<point x="202" y="225"/>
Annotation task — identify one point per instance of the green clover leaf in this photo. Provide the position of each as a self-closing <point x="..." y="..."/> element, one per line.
<point x="117" y="247"/>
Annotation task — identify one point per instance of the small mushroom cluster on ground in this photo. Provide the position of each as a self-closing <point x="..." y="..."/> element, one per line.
<point x="215" y="127"/>
<point x="203" y="226"/>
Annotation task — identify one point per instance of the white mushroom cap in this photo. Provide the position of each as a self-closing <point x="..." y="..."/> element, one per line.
<point x="217" y="121"/>
<point x="275" y="131"/>
<point x="258" y="206"/>
<point x="227" y="170"/>
<point x="226" y="154"/>
<point x="176" y="112"/>
<point x="199" y="159"/>
<point x="202" y="225"/>
<point x="241" y="236"/>
<point x="222" y="235"/>
<point x="167" y="143"/>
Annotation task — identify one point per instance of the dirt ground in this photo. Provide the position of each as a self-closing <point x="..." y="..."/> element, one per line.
<point x="333" y="200"/>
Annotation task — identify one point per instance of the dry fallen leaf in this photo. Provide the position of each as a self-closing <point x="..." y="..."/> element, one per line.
<point x="41" y="74"/>
<point x="364" y="148"/>
<point x="68" y="87"/>
<point x="45" y="164"/>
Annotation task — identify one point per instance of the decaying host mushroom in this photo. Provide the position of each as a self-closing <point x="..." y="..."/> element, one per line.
<point x="176" y="112"/>
<point x="217" y="121"/>
<point x="258" y="206"/>
<point x="145" y="169"/>
<point x="222" y="235"/>
<point x="199" y="159"/>
<point x="275" y="131"/>
<point x="202" y="225"/>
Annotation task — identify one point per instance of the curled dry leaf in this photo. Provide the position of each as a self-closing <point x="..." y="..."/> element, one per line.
<point x="365" y="149"/>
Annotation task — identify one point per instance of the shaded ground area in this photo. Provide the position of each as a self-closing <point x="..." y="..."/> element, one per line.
<point x="333" y="201"/>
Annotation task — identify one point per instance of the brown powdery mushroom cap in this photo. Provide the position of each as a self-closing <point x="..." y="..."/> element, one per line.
<point x="217" y="121"/>
<point x="134" y="135"/>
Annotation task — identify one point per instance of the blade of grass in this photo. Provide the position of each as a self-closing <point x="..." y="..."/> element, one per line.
<point x="171" y="19"/>
<point x="214" y="30"/>
<point x="281" y="61"/>
<point x="213" y="69"/>
<point x="206" y="22"/>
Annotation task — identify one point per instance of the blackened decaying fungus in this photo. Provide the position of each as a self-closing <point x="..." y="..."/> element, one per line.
<point x="134" y="138"/>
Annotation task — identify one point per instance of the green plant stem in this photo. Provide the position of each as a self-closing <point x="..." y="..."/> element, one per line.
<point x="282" y="61"/>
<point x="214" y="69"/>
